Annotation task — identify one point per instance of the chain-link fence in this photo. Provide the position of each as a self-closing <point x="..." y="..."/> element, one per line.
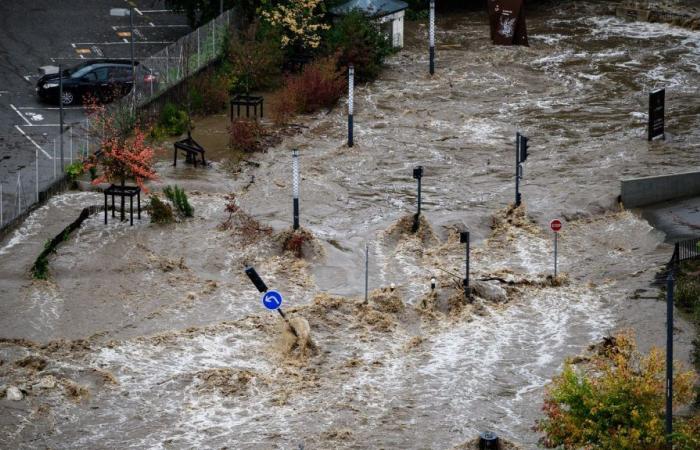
<point x="45" y="173"/>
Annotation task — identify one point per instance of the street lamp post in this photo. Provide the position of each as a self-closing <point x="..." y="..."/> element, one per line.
<point x="295" y="187"/>
<point x="122" y="12"/>
<point x="351" y="93"/>
<point x="432" y="37"/>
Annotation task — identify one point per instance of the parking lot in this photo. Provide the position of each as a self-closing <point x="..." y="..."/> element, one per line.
<point x="41" y="33"/>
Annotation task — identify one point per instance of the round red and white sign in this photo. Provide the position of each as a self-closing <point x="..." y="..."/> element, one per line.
<point x="555" y="225"/>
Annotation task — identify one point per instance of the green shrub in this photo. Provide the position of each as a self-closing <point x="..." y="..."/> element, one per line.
<point x="161" y="212"/>
<point x="173" y="120"/>
<point x="74" y="170"/>
<point x="254" y="59"/>
<point x="178" y="198"/>
<point x="357" y="39"/>
<point x="208" y="93"/>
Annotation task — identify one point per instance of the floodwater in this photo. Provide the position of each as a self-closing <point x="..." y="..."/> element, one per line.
<point x="178" y="353"/>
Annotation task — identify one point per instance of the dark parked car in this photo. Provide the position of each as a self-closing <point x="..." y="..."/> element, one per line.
<point x="102" y="79"/>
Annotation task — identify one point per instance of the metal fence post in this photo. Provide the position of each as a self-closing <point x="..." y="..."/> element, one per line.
<point x="2" y="218"/>
<point x="213" y="39"/>
<point x="198" y="48"/>
<point x="19" y="192"/>
<point x="70" y="133"/>
<point x="167" y="66"/>
<point x="54" y="158"/>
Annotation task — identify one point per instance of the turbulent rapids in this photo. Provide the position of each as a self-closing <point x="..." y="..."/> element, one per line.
<point x="153" y="337"/>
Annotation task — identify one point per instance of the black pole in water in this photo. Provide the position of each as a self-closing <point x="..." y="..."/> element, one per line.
<point x="669" y="358"/>
<point x="431" y="37"/>
<point x="520" y="157"/>
<point x="417" y="174"/>
<point x="60" y="113"/>
<point x="351" y="93"/>
<point x="464" y="239"/>
<point x="295" y="187"/>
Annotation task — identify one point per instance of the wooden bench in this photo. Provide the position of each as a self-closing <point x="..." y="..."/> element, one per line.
<point x="191" y="149"/>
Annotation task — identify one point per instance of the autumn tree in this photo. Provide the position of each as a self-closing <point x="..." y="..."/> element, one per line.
<point x="300" y="22"/>
<point x="615" y="401"/>
<point x="122" y="154"/>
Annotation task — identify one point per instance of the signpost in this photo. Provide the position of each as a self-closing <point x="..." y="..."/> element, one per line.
<point x="272" y="300"/>
<point x="431" y="37"/>
<point x="507" y="19"/>
<point x="657" y="101"/>
<point x="555" y="225"/>
<point x="418" y="175"/>
<point x="351" y="101"/>
<point x="521" y="153"/>
<point x="669" y="358"/>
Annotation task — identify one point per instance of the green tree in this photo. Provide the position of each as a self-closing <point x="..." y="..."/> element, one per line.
<point x="357" y="39"/>
<point x="201" y="11"/>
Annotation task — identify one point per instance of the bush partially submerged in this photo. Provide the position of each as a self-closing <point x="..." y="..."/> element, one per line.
<point x="246" y="135"/>
<point x="161" y="212"/>
<point x="243" y="225"/>
<point x="319" y="85"/>
<point x="178" y="198"/>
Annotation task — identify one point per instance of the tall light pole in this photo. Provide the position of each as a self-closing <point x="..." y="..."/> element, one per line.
<point x="432" y="37"/>
<point x="122" y="12"/>
<point x="60" y="112"/>
<point x="351" y="93"/>
<point x="295" y="187"/>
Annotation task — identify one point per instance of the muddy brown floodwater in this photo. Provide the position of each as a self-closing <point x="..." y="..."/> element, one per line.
<point x="152" y="337"/>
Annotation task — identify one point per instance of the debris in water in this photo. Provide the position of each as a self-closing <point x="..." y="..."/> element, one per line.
<point x="32" y="362"/>
<point x="227" y="381"/>
<point x="13" y="393"/>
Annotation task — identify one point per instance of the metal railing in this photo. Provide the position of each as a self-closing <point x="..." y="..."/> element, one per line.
<point x="684" y="251"/>
<point x="33" y="182"/>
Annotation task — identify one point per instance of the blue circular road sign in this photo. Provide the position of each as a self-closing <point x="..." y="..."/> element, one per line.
<point x="272" y="300"/>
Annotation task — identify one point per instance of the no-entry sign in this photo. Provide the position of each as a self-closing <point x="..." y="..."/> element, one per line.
<point x="555" y="225"/>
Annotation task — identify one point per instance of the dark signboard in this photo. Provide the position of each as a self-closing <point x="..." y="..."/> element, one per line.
<point x="507" y="18"/>
<point x="657" y="102"/>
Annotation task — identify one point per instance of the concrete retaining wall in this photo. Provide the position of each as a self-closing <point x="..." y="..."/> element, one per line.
<point x="646" y="191"/>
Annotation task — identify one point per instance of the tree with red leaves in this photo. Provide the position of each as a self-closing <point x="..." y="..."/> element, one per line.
<point x="122" y="154"/>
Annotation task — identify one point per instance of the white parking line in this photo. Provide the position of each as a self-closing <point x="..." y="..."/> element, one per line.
<point x="150" y="25"/>
<point x="153" y="11"/>
<point x="49" y="107"/>
<point x="127" y="41"/>
<point x="20" y="114"/>
<point x="32" y="141"/>
<point x="138" y="11"/>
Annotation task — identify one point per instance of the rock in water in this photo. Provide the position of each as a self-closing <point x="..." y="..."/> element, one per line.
<point x="490" y="291"/>
<point x="13" y="393"/>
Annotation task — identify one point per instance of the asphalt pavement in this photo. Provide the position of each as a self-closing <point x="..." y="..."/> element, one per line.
<point x="37" y="33"/>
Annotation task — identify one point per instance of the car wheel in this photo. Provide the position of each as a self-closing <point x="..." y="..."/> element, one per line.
<point x="68" y="98"/>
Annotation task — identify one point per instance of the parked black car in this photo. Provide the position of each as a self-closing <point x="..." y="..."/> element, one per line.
<point x="102" y="79"/>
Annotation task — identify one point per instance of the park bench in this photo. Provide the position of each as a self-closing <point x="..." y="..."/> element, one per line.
<point x="191" y="149"/>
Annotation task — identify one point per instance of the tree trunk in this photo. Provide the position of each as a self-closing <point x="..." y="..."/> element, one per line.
<point x="122" y="216"/>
